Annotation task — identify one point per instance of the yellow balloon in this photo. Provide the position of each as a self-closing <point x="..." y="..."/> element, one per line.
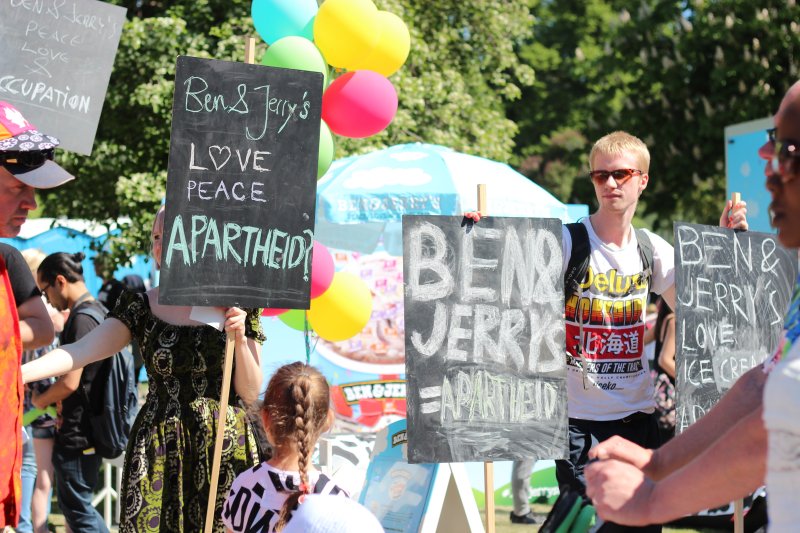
<point x="344" y="30"/>
<point x="392" y="48"/>
<point x="343" y="310"/>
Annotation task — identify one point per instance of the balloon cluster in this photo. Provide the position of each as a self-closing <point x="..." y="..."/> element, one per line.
<point x="351" y="35"/>
<point x="341" y="303"/>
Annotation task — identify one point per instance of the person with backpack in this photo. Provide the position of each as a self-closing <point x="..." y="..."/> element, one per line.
<point x="166" y="475"/>
<point x="75" y="460"/>
<point x="609" y="269"/>
<point x="752" y="435"/>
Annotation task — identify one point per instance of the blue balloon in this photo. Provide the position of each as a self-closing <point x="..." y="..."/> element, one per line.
<point x="275" y="19"/>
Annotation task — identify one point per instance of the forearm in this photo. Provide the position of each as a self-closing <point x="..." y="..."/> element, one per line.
<point x="247" y="373"/>
<point x="55" y="363"/>
<point x="35" y="326"/>
<point x="730" y="469"/>
<point x="36" y="332"/>
<point x="745" y="397"/>
<point x="104" y="340"/>
<point x="55" y="393"/>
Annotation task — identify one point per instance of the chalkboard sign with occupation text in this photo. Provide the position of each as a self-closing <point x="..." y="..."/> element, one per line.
<point x="241" y="185"/>
<point x="732" y="291"/>
<point x="56" y="62"/>
<point x="485" y="362"/>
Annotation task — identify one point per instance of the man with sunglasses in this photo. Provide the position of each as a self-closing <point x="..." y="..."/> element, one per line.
<point x="727" y="453"/>
<point x="610" y="268"/>
<point x="609" y="388"/>
<point x="25" y="164"/>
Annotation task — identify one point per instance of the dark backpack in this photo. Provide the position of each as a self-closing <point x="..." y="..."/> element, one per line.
<point x="578" y="265"/>
<point x="113" y="401"/>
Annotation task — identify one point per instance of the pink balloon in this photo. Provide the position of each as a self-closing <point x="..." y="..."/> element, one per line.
<point x="273" y="311"/>
<point x="359" y="104"/>
<point x="322" y="269"/>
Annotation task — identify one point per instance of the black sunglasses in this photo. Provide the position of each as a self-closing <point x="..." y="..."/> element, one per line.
<point x="787" y="155"/>
<point x="771" y="133"/>
<point x="33" y="159"/>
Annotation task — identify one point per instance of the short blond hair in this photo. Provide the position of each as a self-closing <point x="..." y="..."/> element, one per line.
<point x="622" y="143"/>
<point x="33" y="257"/>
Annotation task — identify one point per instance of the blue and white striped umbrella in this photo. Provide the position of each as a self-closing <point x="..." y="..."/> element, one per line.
<point x="361" y="199"/>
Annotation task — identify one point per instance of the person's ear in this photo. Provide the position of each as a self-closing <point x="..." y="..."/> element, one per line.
<point x="266" y="423"/>
<point x="330" y="419"/>
<point x="644" y="181"/>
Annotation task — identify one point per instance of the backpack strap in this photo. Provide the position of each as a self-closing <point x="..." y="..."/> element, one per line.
<point x="646" y="251"/>
<point x="578" y="259"/>
<point x="92" y="312"/>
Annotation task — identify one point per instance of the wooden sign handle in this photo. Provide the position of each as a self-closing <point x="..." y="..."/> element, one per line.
<point x="488" y="488"/>
<point x="738" y="516"/>
<point x="250" y="50"/>
<point x="483" y="208"/>
<point x="223" y="410"/>
<point x="227" y="369"/>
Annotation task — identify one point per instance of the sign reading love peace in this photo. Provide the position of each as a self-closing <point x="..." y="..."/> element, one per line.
<point x="241" y="185"/>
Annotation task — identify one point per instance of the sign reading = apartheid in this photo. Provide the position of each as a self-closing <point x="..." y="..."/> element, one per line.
<point x="241" y="185"/>
<point x="56" y="62"/>
<point x="732" y="291"/>
<point x="485" y="363"/>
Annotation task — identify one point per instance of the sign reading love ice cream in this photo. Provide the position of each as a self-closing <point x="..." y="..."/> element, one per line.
<point x="241" y="185"/>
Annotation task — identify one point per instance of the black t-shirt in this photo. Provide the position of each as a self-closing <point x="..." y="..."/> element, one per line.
<point x="109" y="293"/>
<point x="74" y="430"/>
<point x="22" y="282"/>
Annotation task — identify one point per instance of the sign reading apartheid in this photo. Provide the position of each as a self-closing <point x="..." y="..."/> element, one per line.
<point x="56" y="62"/>
<point x="485" y="362"/>
<point x="241" y="185"/>
<point x="732" y="291"/>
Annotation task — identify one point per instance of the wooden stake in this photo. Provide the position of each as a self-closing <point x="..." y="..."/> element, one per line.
<point x="223" y="410"/>
<point x="250" y="50"/>
<point x="483" y="208"/>
<point x="227" y="370"/>
<point x="488" y="466"/>
<point x="738" y="516"/>
<point x="738" y="505"/>
<point x="488" y="487"/>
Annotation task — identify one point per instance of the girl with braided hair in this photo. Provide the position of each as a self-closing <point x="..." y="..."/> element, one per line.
<point x="295" y="413"/>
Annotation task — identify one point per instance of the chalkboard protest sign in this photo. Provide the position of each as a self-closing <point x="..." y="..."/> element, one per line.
<point x="241" y="185"/>
<point x="485" y="362"/>
<point x="56" y="62"/>
<point x="732" y="291"/>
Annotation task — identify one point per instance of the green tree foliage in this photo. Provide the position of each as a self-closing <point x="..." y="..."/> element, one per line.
<point x="461" y="71"/>
<point x="674" y="73"/>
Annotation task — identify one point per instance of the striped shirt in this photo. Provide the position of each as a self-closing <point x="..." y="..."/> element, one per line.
<point x="257" y="496"/>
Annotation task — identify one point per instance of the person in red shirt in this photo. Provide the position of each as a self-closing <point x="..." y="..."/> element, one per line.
<point x="26" y="164"/>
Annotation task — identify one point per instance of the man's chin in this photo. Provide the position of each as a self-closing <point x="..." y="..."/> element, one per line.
<point x="10" y="230"/>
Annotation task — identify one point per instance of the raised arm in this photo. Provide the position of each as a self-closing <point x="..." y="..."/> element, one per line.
<point x="103" y="341"/>
<point x="247" y="353"/>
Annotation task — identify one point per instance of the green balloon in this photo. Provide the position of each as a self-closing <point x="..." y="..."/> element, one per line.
<point x="297" y="53"/>
<point x="326" y="149"/>
<point x="295" y="319"/>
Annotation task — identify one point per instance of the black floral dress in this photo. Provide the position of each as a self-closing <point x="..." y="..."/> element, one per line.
<point x="168" y="461"/>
